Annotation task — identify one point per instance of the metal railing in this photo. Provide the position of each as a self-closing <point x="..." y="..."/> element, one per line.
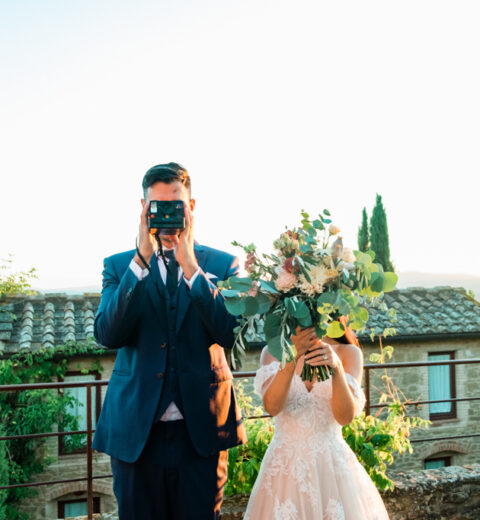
<point x="90" y="477"/>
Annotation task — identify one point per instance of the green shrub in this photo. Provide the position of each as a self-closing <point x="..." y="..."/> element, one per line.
<point x="244" y="461"/>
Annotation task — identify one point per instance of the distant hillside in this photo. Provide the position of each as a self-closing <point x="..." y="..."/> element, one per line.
<point x="414" y="279"/>
<point x="72" y="290"/>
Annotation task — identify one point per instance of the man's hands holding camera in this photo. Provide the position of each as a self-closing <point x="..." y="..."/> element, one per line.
<point x="184" y="242"/>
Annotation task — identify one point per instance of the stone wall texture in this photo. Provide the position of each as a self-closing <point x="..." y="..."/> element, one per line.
<point x="451" y="493"/>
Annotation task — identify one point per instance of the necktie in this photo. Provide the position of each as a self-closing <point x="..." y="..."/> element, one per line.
<point x="172" y="272"/>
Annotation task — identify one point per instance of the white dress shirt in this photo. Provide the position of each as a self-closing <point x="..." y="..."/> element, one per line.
<point x="172" y="413"/>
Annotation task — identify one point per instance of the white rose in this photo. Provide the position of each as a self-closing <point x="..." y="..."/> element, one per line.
<point x="348" y="256"/>
<point x="333" y="229"/>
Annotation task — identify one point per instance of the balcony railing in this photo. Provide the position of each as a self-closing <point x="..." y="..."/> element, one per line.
<point x="90" y="477"/>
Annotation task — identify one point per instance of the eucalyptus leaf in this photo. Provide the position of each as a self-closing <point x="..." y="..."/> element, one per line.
<point x="335" y="329"/>
<point x="275" y="348"/>
<point x="389" y="281"/>
<point x="240" y="284"/>
<point x="268" y="286"/>
<point x="361" y="314"/>
<point x="364" y="259"/>
<point x="264" y="303"/>
<point x="251" y="306"/>
<point x="376" y="282"/>
<point x="326" y="212"/>
<point x="271" y="326"/>
<point x="235" y="306"/>
<point x="327" y="297"/>
<point x="229" y="293"/>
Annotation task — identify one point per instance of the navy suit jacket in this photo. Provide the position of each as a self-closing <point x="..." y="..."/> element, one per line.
<point x="132" y="317"/>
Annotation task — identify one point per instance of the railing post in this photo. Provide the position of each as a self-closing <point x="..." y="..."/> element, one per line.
<point x="89" y="455"/>
<point x="367" y="390"/>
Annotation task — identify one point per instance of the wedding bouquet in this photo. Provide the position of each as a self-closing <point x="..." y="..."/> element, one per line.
<point x="310" y="280"/>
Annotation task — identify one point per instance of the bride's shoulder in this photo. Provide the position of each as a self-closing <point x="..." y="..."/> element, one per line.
<point x="266" y="358"/>
<point x="350" y="353"/>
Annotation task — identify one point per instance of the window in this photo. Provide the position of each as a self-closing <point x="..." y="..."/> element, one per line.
<point x="438" y="462"/>
<point x="441" y="385"/>
<point x="67" y="508"/>
<point x="77" y="443"/>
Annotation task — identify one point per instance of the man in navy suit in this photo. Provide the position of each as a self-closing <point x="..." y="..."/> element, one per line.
<point x="170" y="413"/>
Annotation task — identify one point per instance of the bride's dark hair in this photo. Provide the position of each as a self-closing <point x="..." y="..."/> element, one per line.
<point x="349" y="338"/>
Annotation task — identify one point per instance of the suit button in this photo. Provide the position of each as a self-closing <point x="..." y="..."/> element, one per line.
<point x="172" y="307"/>
<point x="160" y="375"/>
<point x="163" y="345"/>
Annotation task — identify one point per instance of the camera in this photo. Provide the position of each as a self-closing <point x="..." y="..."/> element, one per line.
<point x="166" y="217"/>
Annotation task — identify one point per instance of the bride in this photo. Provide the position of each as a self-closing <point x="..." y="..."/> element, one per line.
<point x="308" y="471"/>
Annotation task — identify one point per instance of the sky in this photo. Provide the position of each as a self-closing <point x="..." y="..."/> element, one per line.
<point x="272" y="106"/>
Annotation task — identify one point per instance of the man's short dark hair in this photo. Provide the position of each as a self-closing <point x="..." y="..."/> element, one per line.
<point x="166" y="173"/>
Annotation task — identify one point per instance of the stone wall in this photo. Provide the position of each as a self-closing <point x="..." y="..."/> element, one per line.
<point x="451" y="493"/>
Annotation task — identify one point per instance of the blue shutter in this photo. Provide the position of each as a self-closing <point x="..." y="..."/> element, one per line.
<point x="439" y="385"/>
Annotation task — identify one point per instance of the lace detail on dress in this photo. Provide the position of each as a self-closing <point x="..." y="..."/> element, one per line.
<point x="285" y="511"/>
<point x="264" y="377"/>
<point x="358" y="394"/>
<point x="334" y="510"/>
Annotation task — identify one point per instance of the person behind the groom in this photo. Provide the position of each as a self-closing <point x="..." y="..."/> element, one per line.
<point x="170" y="413"/>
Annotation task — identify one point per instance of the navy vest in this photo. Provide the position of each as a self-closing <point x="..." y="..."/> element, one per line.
<point x="170" y="390"/>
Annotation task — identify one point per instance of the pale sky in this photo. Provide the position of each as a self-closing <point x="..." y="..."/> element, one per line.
<point x="272" y="106"/>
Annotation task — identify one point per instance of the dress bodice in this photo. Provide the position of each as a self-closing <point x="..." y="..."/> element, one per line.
<point x="306" y="413"/>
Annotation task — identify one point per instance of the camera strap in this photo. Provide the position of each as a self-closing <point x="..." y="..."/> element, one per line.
<point x="145" y="263"/>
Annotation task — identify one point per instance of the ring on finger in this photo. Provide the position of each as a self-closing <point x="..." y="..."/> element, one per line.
<point x="325" y="356"/>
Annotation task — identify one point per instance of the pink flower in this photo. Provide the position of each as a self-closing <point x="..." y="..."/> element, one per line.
<point x="285" y="280"/>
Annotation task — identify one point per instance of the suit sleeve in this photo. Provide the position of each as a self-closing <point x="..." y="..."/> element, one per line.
<point x="210" y="304"/>
<point x="120" y="306"/>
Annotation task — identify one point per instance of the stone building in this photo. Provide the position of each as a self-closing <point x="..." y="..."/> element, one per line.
<point x="433" y="324"/>
<point x="48" y="321"/>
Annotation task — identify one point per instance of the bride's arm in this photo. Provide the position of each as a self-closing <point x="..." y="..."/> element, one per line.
<point x="276" y="394"/>
<point x="344" y="406"/>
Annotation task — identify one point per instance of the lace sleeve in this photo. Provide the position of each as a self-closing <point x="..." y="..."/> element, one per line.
<point x="358" y="394"/>
<point x="264" y="377"/>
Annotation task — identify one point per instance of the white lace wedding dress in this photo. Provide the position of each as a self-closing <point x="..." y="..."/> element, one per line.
<point x="309" y="472"/>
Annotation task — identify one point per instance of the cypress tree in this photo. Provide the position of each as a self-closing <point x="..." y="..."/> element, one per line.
<point x="379" y="235"/>
<point x="363" y="235"/>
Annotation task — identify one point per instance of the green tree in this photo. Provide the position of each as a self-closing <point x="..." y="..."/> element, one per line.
<point x="363" y="235"/>
<point x="12" y="283"/>
<point x="379" y="242"/>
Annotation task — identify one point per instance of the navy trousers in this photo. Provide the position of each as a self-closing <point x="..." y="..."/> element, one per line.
<point x="170" y="481"/>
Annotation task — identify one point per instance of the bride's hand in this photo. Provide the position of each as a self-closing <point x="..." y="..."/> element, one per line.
<point x="304" y="340"/>
<point x="322" y="354"/>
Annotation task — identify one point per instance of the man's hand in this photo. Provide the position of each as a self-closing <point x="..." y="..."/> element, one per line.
<point x="185" y="253"/>
<point x="145" y="240"/>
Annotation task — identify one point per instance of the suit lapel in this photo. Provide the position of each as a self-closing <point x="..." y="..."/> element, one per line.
<point x="156" y="289"/>
<point x="183" y="297"/>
